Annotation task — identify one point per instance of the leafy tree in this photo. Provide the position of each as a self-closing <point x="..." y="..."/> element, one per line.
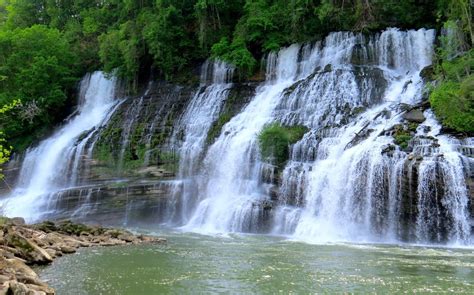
<point x="37" y="67"/>
<point x="169" y="38"/>
<point x="5" y="149"/>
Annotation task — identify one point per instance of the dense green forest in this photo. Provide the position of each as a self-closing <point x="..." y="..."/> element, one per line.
<point x="47" y="45"/>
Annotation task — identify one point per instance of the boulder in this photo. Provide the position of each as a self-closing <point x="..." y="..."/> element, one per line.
<point x="67" y="249"/>
<point x="127" y="237"/>
<point x="17" y="288"/>
<point x="427" y="73"/>
<point x="17" y="221"/>
<point x="41" y="289"/>
<point x="4" y="288"/>
<point x="3" y="279"/>
<point x="14" y="266"/>
<point x="415" y="115"/>
<point x="29" y="250"/>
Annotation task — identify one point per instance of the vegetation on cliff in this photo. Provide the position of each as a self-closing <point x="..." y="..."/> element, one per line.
<point x="275" y="140"/>
<point x="453" y="97"/>
<point x="5" y="149"/>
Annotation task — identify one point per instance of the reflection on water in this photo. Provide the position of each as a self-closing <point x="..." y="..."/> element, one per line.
<point x="192" y="263"/>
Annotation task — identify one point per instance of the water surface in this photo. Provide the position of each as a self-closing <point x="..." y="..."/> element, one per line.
<point x="191" y="263"/>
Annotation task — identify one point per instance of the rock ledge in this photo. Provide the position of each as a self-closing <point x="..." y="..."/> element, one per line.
<point x="23" y="245"/>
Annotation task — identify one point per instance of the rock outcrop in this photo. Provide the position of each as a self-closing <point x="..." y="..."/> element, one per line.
<point x="24" y="245"/>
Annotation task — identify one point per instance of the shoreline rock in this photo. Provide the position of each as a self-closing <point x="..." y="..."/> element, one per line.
<point x="24" y="245"/>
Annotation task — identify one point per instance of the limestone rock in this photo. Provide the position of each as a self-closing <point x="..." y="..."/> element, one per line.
<point x="18" y="221"/>
<point x="21" y="245"/>
<point x="28" y="249"/>
<point x="67" y="249"/>
<point x="415" y="115"/>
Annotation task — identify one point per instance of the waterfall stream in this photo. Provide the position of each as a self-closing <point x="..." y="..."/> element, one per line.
<point x="347" y="179"/>
<point x="340" y="184"/>
<point x="46" y="168"/>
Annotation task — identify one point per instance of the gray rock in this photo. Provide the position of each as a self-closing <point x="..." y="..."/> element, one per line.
<point x="18" y="221"/>
<point x="415" y="115"/>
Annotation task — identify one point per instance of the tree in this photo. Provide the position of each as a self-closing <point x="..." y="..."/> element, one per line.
<point x="37" y="68"/>
<point x="5" y="149"/>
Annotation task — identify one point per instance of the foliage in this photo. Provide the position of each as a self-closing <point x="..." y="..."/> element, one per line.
<point x="216" y="127"/>
<point x="452" y="99"/>
<point x="453" y="103"/>
<point x="275" y="140"/>
<point x="5" y="149"/>
<point x="37" y="68"/>
<point x="46" y="44"/>
<point x="168" y="36"/>
<point x="235" y="53"/>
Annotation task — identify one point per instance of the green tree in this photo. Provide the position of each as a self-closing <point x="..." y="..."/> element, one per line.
<point x="37" y="67"/>
<point x="5" y="149"/>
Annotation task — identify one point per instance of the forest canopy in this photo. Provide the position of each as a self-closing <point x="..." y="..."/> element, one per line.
<point x="46" y="45"/>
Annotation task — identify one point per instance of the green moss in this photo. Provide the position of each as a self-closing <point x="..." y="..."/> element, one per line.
<point x="402" y="135"/>
<point x="274" y="142"/>
<point x="402" y="140"/>
<point x="168" y="160"/>
<point x="46" y="226"/>
<point x="216" y="127"/>
<point x="19" y="242"/>
<point x="73" y="228"/>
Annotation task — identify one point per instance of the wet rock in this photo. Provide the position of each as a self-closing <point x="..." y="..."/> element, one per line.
<point x="388" y="149"/>
<point x="427" y="73"/>
<point x="29" y="251"/>
<point x="40" y="244"/>
<point x="327" y="68"/>
<point x="415" y="115"/>
<point x="67" y="249"/>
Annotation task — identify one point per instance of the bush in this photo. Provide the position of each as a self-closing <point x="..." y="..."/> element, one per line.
<point x="235" y="53"/>
<point x="275" y="140"/>
<point x="453" y="99"/>
<point x="453" y="103"/>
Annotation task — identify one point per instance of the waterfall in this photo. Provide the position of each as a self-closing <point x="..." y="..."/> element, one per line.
<point x="345" y="178"/>
<point x="373" y="166"/>
<point x="231" y="188"/>
<point x="47" y="167"/>
<point x="193" y="126"/>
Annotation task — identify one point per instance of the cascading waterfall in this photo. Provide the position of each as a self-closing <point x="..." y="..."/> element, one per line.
<point x="351" y="186"/>
<point x="231" y="187"/>
<point x="46" y="168"/>
<point x="348" y="178"/>
<point x="195" y="123"/>
<point x="344" y="179"/>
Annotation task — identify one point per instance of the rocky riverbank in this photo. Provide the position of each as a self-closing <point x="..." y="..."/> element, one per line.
<point x="22" y="246"/>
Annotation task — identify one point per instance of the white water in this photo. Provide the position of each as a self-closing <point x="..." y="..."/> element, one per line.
<point x="345" y="180"/>
<point x="46" y="168"/>
<point x="338" y="186"/>
<point x="195" y="123"/>
<point x="232" y="178"/>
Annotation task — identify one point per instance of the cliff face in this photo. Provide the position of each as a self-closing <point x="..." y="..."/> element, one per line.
<point x="372" y="162"/>
<point x="132" y="177"/>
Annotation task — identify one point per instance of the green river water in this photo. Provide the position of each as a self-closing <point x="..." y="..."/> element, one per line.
<point x="191" y="263"/>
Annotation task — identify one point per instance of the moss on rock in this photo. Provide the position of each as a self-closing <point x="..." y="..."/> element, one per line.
<point x="275" y="140"/>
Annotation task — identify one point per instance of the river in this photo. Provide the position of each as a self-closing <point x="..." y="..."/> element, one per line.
<point x="235" y="263"/>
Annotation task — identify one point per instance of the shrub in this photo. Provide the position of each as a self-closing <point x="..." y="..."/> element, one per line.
<point x="453" y="99"/>
<point x="275" y="140"/>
